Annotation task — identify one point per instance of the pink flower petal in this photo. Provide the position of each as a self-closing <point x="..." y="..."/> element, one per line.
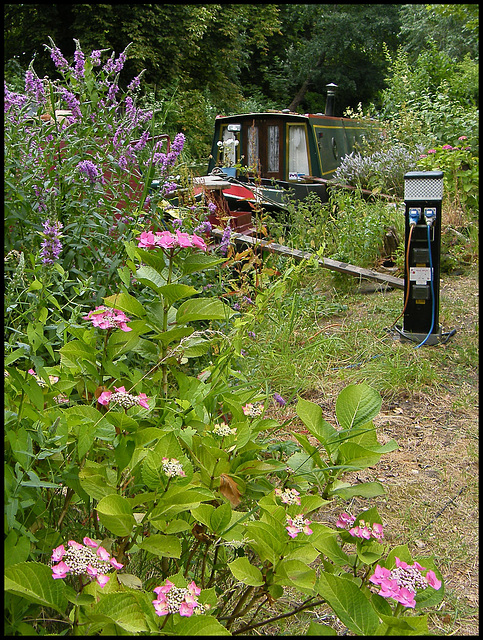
<point x="89" y="542"/>
<point x="104" y="398"/>
<point x="433" y="580"/>
<point x="58" y="553"/>
<point x="103" y="554"/>
<point x="115" y="563"/>
<point x="102" y="580"/>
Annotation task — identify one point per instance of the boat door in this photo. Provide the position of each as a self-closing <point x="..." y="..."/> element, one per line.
<point x="262" y="146"/>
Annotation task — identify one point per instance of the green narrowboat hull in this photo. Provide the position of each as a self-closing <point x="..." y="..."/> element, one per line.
<point x="280" y="152"/>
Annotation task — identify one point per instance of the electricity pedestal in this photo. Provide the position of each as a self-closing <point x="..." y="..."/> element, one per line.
<point x="423" y="195"/>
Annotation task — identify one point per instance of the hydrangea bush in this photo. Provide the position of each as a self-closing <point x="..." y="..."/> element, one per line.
<point x="159" y="456"/>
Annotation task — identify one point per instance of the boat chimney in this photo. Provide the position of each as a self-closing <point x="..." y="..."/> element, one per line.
<point x="330" y="102"/>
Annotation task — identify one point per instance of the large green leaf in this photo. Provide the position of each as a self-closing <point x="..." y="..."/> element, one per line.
<point x="162" y="546"/>
<point x="317" y="629"/>
<point x="356" y="456"/>
<point x="202" y="309"/>
<point x="296" y="573"/>
<point x="115" y="513"/>
<point x="125" y="610"/>
<point x="198" y="626"/>
<point x="407" y="626"/>
<point x="174" y="292"/>
<point x="357" y="405"/>
<point x="77" y="350"/>
<point x="311" y="415"/>
<point x="246" y="572"/>
<point x="199" y="262"/>
<point x="125" y="302"/>
<point x="349" y="604"/>
<point x="33" y="581"/>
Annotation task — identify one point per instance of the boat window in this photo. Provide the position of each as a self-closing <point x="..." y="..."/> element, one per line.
<point x="297" y="150"/>
<point x="273" y="160"/>
<point x="253" y="147"/>
<point x="228" y="146"/>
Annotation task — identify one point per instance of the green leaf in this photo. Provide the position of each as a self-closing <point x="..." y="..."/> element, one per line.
<point x="296" y="573"/>
<point x="365" y="490"/>
<point x="150" y="277"/>
<point x="199" y="626"/>
<point x="264" y="542"/>
<point x="349" y="603"/>
<point x="115" y="513"/>
<point x="357" y="405"/>
<point x="16" y="548"/>
<point x="199" y="262"/>
<point x="220" y="518"/>
<point x="246" y="572"/>
<point x="94" y="482"/>
<point x="124" y="610"/>
<point x="125" y="302"/>
<point x="407" y="626"/>
<point x="174" y="292"/>
<point x="202" y="309"/>
<point x="33" y="581"/>
<point x="77" y="350"/>
<point x="317" y="629"/>
<point x="162" y="546"/>
<point x="311" y="415"/>
<point x="356" y="456"/>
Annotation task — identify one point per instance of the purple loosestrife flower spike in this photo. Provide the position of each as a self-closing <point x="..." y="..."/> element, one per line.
<point x="89" y="169"/>
<point x="225" y="240"/>
<point x="51" y="245"/>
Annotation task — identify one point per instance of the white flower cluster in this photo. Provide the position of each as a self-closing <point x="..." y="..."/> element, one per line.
<point x="126" y="400"/>
<point x="172" y="468"/>
<point x="253" y="410"/>
<point x="223" y="429"/>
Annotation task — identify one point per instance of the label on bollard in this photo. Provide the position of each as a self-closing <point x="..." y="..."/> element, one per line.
<point x="420" y="275"/>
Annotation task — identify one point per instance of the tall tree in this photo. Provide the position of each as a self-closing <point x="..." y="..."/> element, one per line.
<point x="321" y="43"/>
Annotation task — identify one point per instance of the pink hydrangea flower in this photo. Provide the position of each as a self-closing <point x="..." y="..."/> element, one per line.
<point x="106" y="318"/>
<point x="402" y="583"/>
<point x="122" y="397"/>
<point x="433" y="580"/>
<point x="298" y="525"/>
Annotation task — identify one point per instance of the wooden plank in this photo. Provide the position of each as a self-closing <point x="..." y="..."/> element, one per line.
<point x="334" y="265"/>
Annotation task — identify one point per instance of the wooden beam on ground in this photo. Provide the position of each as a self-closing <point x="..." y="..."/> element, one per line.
<point x="334" y="265"/>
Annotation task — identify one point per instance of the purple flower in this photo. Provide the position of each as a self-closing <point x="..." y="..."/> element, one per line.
<point x="72" y="102"/>
<point x="279" y="399"/>
<point x="59" y="60"/>
<point x="51" y="245"/>
<point x="34" y="86"/>
<point x="12" y="99"/>
<point x="135" y="82"/>
<point x="79" y="64"/>
<point x="90" y="170"/>
<point x="225" y="240"/>
<point x="204" y="227"/>
<point x="96" y="57"/>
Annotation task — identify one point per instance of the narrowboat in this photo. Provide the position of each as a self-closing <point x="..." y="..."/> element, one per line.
<point x="266" y="156"/>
